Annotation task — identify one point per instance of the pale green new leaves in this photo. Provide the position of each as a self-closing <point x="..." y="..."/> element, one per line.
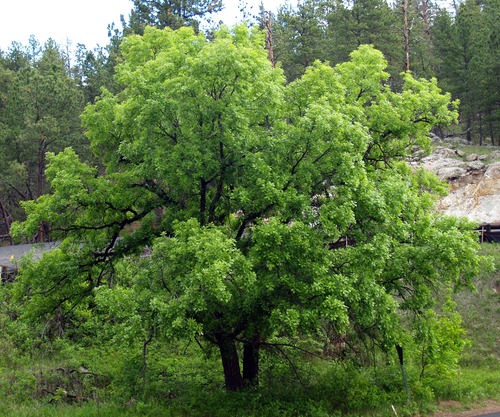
<point x="205" y="279"/>
<point x="268" y="207"/>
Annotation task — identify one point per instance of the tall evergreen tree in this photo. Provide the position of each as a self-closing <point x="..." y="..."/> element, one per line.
<point x="40" y="112"/>
<point x="331" y="30"/>
<point x="300" y="36"/>
<point x="490" y="83"/>
<point x="94" y="70"/>
<point x="169" y="13"/>
<point x="357" y="22"/>
<point x="461" y="46"/>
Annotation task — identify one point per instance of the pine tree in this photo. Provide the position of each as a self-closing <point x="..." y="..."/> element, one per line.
<point x="357" y="22"/>
<point x="169" y="13"/>
<point x="461" y="46"/>
<point x="41" y="106"/>
<point x="490" y="85"/>
<point x="300" y="37"/>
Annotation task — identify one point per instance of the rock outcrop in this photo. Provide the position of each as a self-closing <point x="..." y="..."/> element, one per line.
<point x="474" y="183"/>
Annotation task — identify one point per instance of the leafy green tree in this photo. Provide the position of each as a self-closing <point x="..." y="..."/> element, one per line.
<point x="269" y="210"/>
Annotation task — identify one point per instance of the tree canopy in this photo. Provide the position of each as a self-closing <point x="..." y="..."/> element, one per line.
<point x="271" y="210"/>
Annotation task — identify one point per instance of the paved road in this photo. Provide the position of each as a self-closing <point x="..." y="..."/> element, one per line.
<point x="9" y="254"/>
<point x="491" y="409"/>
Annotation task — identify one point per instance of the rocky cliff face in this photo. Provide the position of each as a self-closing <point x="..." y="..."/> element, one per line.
<point x="474" y="181"/>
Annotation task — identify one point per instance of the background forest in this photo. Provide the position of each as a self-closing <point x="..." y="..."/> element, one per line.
<point x="296" y="243"/>
<point x="44" y="88"/>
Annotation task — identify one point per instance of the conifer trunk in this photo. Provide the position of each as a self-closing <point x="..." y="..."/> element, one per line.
<point x="468" y="126"/>
<point x="406" y="30"/>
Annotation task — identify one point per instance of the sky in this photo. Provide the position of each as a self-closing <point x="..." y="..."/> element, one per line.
<point x="86" y="22"/>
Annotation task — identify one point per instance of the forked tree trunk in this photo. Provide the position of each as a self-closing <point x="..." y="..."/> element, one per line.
<point x="230" y="362"/>
<point x="251" y="352"/>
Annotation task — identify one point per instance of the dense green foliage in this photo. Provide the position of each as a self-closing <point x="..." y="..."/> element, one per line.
<point x="180" y="379"/>
<point x="229" y="223"/>
<point x="274" y="212"/>
<point x="460" y="48"/>
<point x="39" y="113"/>
<point x="172" y="14"/>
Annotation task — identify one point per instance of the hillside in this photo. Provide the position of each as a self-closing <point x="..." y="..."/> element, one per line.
<point x="473" y="174"/>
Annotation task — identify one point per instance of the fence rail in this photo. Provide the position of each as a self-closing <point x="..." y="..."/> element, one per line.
<point x="489" y="232"/>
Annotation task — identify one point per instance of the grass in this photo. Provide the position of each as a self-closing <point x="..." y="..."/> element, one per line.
<point x="478" y="150"/>
<point x="194" y="387"/>
<point x="479" y="376"/>
<point x="480" y="311"/>
<point x="83" y="410"/>
<point x="470" y="149"/>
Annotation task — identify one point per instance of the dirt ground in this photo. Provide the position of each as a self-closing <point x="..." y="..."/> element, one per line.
<point x="455" y="409"/>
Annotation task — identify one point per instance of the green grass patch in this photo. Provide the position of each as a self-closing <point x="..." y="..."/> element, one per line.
<point x="66" y="378"/>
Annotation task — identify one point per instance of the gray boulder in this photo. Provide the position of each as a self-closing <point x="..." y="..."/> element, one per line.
<point x="450" y="173"/>
<point x="475" y="165"/>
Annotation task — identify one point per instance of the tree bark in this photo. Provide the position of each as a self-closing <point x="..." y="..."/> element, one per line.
<point x="268" y="25"/>
<point x="251" y="353"/>
<point x="490" y="125"/>
<point x="230" y="362"/>
<point x="6" y="219"/>
<point x="480" y="129"/>
<point x="468" y="125"/>
<point x="406" y="29"/>
<point x="425" y="16"/>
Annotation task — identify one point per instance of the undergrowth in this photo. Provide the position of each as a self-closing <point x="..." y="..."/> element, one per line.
<point x="74" y="379"/>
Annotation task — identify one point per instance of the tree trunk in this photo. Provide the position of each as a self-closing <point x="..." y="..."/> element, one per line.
<point x="468" y="126"/>
<point x="251" y="352"/>
<point x="6" y="219"/>
<point x="425" y="16"/>
<point x="42" y="148"/>
<point x="490" y="125"/>
<point x="268" y="25"/>
<point x="406" y="29"/>
<point x="230" y="362"/>
<point x="480" y="129"/>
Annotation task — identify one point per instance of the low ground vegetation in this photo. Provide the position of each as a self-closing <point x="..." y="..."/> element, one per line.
<point x="296" y="264"/>
<point x="72" y="378"/>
